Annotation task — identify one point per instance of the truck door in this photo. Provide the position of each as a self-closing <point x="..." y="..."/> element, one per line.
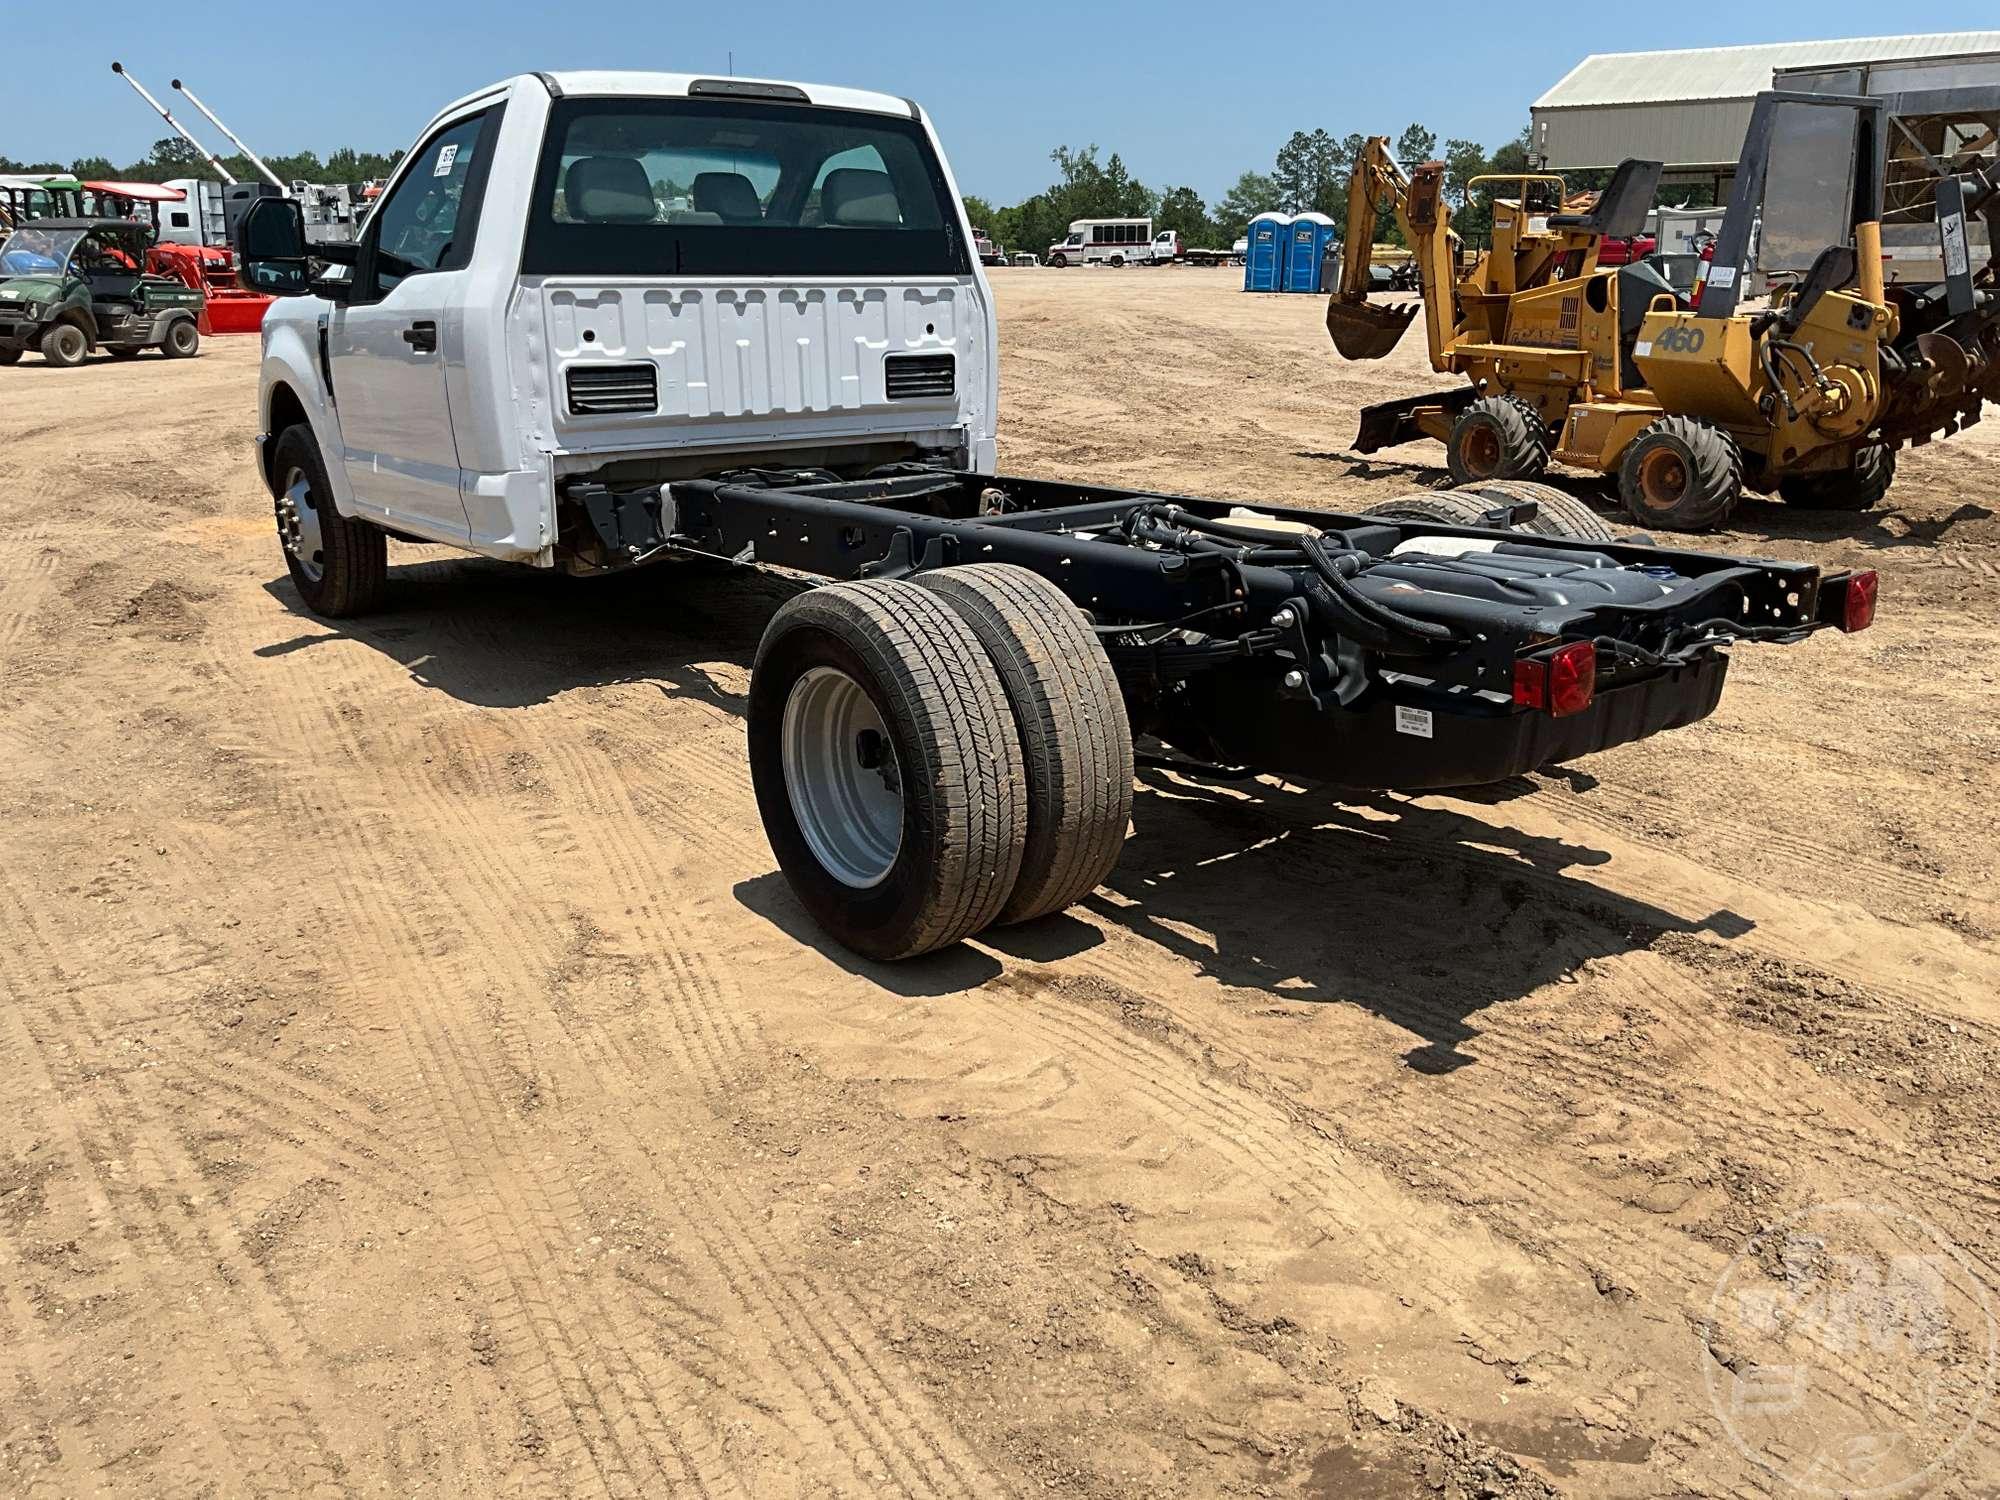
<point x="389" y="342"/>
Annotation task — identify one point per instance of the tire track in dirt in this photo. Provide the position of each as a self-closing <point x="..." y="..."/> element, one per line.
<point x="511" y="1229"/>
<point x="273" y="1433"/>
<point x="714" y="1046"/>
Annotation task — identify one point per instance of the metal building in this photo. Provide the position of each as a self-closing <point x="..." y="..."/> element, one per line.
<point x="1690" y="109"/>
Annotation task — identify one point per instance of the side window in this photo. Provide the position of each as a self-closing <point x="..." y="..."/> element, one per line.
<point x="428" y="220"/>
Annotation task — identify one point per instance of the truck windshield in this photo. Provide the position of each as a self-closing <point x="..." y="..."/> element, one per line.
<point x="700" y="187"/>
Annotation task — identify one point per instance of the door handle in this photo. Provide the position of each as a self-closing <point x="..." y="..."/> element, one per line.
<point x="422" y="337"/>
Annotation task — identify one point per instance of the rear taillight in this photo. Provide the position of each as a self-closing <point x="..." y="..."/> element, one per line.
<point x="1531" y="684"/>
<point x="1857" y="609"/>
<point x="1561" y="683"/>
<point x="1572" y="679"/>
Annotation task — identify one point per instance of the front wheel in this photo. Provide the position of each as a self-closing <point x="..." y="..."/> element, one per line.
<point x="887" y="767"/>
<point x="183" y="340"/>
<point x="1859" y="487"/>
<point x="1681" y="474"/>
<point x="1060" y="262"/>
<point x="65" y="345"/>
<point x="339" y="566"/>
<point x="10" y="356"/>
<point x="1497" y="437"/>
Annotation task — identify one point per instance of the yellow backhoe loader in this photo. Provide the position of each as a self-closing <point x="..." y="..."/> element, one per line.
<point x="1610" y="369"/>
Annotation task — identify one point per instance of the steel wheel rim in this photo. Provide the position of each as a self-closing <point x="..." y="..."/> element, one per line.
<point x="298" y="525"/>
<point x="1663" y="478"/>
<point x="69" y="341"/>
<point x="1482" y="451"/>
<point x="842" y="777"/>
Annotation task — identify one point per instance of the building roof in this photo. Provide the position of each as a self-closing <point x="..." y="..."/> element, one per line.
<point x="1735" y="72"/>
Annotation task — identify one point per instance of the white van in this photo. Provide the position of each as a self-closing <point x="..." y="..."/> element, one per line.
<point x="1113" y="242"/>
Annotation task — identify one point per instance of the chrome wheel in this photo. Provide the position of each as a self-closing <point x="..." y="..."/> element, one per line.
<point x="842" y="778"/>
<point x="298" y="525"/>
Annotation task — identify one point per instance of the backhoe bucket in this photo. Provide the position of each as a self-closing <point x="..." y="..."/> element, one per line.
<point x="1365" y="330"/>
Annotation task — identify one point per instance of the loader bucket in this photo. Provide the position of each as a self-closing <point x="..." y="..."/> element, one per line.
<point x="1364" y="330"/>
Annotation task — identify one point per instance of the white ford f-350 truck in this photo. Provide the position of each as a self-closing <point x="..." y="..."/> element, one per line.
<point x="604" y="321"/>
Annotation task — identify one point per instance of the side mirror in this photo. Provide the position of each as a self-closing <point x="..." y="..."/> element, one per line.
<point x="272" y="254"/>
<point x="270" y="244"/>
<point x="1833" y="267"/>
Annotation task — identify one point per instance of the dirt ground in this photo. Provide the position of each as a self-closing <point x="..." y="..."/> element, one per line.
<point x="417" y="1081"/>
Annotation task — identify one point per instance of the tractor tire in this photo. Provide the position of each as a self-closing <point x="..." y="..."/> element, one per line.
<point x="1497" y="437"/>
<point x="1076" y="742"/>
<point x="1858" y="488"/>
<point x="183" y="340"/>
<point x="339" y="566"/>
<point x="1681" y="474"/>
<point x="887" y="767"/>
<point x="1557" y="514"/>
<point x="66" y="344"/>
<point x="10" y="357"/>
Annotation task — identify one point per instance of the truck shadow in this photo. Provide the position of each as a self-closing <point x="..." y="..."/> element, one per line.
<point x="1421" y="913"/>
<point x="502" y="636"/>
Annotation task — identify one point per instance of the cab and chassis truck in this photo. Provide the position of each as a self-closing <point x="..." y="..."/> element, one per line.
<point x="786" y="357"/>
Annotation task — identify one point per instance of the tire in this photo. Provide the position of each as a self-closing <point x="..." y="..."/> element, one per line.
<point x="1681" y="474"/>
<point x="894" y="667"/>
<point x="1060" y="262"/>
<point x="183" y="340"/>
<point x="65" y="344"/>
<point x="1497" y="437"/>
<point x="10" y="357"/>
<point x="1117" y="262"/>
<point x="1861" y="487"/>
<point x="1558" y="514"/>
<point x="1076" y="743"/>
<point x="338" y="565"/>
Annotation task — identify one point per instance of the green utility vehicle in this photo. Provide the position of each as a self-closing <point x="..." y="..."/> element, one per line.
<point x="68" y="286"/>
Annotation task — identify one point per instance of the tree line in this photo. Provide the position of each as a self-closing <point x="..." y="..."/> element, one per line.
<point x="172" y="157"/>
<point x="1310" y="172"/>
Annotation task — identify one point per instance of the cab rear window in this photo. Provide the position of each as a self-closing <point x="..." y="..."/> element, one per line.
<point x="700" y="187"/>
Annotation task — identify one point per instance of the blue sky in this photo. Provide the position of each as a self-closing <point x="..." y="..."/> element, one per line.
<point x="1189" y="93"/>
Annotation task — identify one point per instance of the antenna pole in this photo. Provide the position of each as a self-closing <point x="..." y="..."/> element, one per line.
<point x="179" y="129"/>
<point x="235" y="140"/>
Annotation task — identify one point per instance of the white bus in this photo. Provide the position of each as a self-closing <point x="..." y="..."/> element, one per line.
<point x="1114" y="242"/>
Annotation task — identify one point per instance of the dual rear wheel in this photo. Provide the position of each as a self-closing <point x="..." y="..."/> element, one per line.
<point x="936" y="756"/>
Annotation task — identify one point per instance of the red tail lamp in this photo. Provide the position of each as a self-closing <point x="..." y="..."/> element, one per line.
<point x="1857" y="609"/>
<point x="1561" y="683"/>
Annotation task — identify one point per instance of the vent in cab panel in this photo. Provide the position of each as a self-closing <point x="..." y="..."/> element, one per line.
<point x="595" y="390"/>
<point x="915" y="377"/>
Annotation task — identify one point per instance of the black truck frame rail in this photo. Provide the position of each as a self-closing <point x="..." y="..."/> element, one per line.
<point x="1284" y="639"/>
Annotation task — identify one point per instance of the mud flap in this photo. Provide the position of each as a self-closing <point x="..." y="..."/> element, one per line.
<point x="1388" y="423"/>
<point x="1367" y="330"/>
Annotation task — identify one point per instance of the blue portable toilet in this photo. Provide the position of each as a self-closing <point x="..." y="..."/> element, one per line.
<point x="1306" y="240"/>
<point x="1264" y="257"/>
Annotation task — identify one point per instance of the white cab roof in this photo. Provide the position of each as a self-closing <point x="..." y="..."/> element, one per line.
<point x="621" y="84"/>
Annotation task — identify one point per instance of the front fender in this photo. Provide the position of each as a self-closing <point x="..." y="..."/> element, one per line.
<point x="292" y="371"/>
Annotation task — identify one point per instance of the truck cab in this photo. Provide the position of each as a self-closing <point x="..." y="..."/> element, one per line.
<point x="573" y="276"/>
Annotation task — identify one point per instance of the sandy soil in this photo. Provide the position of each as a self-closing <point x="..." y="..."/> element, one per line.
<point x="417" y="1081"/>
